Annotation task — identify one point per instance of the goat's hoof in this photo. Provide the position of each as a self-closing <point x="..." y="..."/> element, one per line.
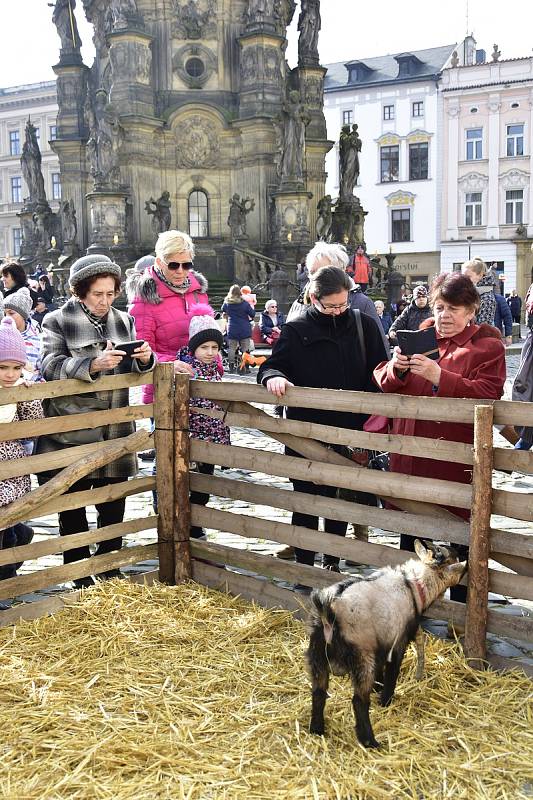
<point x="385" y="701"/>
<point x="318" y="730"/>
<point x="372" y="743"/>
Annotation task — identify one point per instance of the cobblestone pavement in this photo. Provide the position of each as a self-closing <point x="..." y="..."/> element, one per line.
<point x="141" y="505"/>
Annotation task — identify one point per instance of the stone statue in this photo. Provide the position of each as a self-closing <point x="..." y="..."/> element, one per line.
<point x="68" y="221"/>
<point x="293" y="121"/>
<point x="30" y="162"/>
<point x="495" y="55"/>
<point x="160" y="212"/>
<point x="105" y="134"/>
<point x="123" y="13"/>
<point x="259" y="9"/>
<point x="349" y="148"/>
<point x="309" y="24"/>
<point x="238" y="211"/>
<point x="67" y="28"/>
<point x="323" y="223"/>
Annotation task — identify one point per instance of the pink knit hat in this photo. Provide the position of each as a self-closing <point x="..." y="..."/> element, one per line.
<point x="12" y="346"/>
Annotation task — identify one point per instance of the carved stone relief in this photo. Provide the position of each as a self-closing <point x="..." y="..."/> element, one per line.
<point x="314" y="91"/>
<point x="514" y="179"/>
<point x="196" y="143"/>
<point x="473" y="182"/>
<point x="131" y="61"/>
<point x="249" y="66"/>
<point x="194" y="19"/>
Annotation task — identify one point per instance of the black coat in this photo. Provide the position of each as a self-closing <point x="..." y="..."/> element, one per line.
<point x="323" y="351"/>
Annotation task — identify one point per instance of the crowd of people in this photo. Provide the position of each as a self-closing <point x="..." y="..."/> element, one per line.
<point x="333" y="336"/>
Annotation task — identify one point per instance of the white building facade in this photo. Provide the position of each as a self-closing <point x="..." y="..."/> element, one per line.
<point x="396" y="104"/>
<point x="487" y="191"/>
<point x="37" y="101"/>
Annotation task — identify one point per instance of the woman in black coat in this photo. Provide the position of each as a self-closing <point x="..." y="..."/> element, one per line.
<point x="14" y="278"/>
<point x="323" y="349"/>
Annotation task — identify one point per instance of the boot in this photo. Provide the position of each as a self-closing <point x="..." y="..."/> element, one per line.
<point x="231" y="368"/>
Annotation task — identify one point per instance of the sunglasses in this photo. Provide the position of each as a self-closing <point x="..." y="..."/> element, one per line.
<point x="174" y="265"/>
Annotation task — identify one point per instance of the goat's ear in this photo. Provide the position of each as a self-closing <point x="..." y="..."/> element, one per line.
<point x="422" y="553"/>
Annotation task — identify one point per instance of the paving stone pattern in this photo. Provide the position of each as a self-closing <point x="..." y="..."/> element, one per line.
<point x="141" y="505"/>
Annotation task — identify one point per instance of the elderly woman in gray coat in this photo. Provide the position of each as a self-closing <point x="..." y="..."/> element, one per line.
<point x="79" y="341"/>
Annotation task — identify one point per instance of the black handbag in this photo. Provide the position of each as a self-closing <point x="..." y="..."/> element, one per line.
<point x="76" y="404"/>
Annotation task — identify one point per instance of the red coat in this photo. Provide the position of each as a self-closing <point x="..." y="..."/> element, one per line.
<point x="473" y="366"/>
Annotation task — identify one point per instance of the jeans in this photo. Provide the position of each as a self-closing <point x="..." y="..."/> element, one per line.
<point x="15" y="536"/>
<point x="200" y="498"/>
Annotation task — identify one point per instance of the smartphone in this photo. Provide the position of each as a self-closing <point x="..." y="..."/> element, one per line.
<point x="129" y="347"/>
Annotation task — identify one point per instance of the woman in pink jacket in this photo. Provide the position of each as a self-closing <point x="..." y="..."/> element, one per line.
<point x="164" y="299"/>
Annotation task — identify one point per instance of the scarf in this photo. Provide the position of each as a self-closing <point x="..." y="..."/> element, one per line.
<point x="183" y="289"/>
<point x="100" y="323"/>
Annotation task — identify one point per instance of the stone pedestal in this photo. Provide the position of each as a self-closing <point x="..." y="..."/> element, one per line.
<point x="107" y="217"/>
<point x="262" y="73"/>
<point x="131" y="60"/>
<point x="290" y="220"/>
<point x="71" y="93"/>
<point x="348" y="226"/>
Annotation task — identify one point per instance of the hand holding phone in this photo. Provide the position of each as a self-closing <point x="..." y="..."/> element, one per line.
<point x="129" y="347"/>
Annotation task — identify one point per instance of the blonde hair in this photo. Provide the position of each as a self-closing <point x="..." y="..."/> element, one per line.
<point x="170" y="242"/>
<point x="476" y="265"/>
<point x="233" y="294"/>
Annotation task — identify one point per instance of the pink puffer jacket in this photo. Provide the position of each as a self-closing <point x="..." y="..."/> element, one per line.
<point x="162" y="317"/>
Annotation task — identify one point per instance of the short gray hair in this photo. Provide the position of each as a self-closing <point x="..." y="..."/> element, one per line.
<point x="170" y="242"/>
<point x="335" y="254"/>
<point x="270" y="303"/>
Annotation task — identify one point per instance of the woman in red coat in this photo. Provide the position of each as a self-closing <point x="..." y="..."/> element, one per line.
<point x="471" y="364"/>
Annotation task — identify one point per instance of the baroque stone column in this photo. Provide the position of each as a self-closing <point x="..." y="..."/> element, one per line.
<point x="131" y="62"/>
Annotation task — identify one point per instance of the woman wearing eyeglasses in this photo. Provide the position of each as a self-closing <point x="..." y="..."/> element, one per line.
<point x="322" y="349"/>
<point x="164" y="299"/>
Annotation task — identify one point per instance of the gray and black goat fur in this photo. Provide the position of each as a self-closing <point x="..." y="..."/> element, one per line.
<point x="361" y="627"/>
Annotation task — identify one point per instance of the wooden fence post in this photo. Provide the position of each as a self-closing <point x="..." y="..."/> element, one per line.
<point x="475" y="645"/>
<point x="164" y="447"/>
<point x="182" y="505"/>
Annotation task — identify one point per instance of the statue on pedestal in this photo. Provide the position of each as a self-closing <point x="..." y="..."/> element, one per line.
<point x="67" y="28"/>
<point x="325" y="219"/>
<point x="68" y="222"/>
<point x="123" y="12"/>
<point x="105" y="134"/>
<point x="309" y="24"/>
<point x="238" y="211"/>
<point x="293" y="119"/>
<point x="30" y="162"/>
<point x="160" y="212"/>
<point x="259" y="9"/>
<point x="349" y="148"/>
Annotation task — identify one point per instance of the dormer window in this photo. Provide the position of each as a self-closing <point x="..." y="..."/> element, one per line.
<point x="358" y="71"/>
<point x="408" y="64"/>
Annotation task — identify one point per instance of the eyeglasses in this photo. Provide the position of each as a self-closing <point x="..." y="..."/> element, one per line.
<point x="174" y="265"/>
<point x="331" y="307"/>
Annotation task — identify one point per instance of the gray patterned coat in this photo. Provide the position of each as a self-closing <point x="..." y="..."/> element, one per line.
<point x="70" y="342"/>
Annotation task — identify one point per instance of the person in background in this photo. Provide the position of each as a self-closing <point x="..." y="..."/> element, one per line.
<point x="484" y="281"/>
<point x="271" y="322"/>
<point x="202" y="354"/>
<point x="360" y="270"/>
<point x="12" y="360"/>
<point x="14" y="278"/>
<point x="302" y="275"/>
<point x="384" y="317"/>
<point x="322" y="349"/>
<point x="40" y="311"/>
<point x="471" y="364"/>
<point x="515" y="304"/>
<point x="523" y="382"/>
<point x="249" y="296"/>
<point x="413" y="315"/>
<point x="503" y="319"/>
<point x="134" y="275"/>
<point x="18" y="307"/>
<point x="240" y="316"/>
<point x="46" y="290"/>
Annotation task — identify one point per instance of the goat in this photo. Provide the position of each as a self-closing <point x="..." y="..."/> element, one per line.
<point x="361" y="627"/>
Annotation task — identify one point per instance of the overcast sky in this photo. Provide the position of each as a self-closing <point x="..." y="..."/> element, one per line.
<point x="30" y="44"/>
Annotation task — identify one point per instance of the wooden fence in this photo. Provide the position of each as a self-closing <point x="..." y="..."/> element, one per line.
<point x="255" y="575"/>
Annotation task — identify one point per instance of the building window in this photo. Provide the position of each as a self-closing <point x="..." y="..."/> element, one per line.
<point x="38" y="136"/>
<point x="53" y="133"/>
<point x="401" y="225"/>
<point x="514" y="207"/>
<point x="515" y="140"/>
<point x="418" y="108"/>
<point x="198" y="214"/>
<point x="347" y="117"/>
<point x="474" y="144"/>
<point x="16" y="189"/>
<point x="17" y="241"/>
<point x="418" y="161"/>
<point x="390" y="163"/>
<point x="473" y="208"/>
<point x="388" y="112"/>
<point x="14" y="143"/>
<point x="56" y="186"/>
<point x="195" y="67"/>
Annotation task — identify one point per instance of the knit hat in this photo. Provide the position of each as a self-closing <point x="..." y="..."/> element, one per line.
<point x="12" y="346"/>
<point x="143" y="263"/>
<point x="91" y="266"/>
<point x="20" y="301"/>
<point x="203" y="328"/>
<point x="420" y="291"/>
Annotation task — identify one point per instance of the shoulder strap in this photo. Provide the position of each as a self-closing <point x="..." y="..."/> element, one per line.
<point x="361" y="336"/>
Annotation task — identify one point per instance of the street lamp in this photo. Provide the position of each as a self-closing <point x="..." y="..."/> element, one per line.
<point x="469" y="240"/>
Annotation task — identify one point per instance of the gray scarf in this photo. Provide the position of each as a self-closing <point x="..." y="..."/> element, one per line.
<point x="185" y="286"/>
